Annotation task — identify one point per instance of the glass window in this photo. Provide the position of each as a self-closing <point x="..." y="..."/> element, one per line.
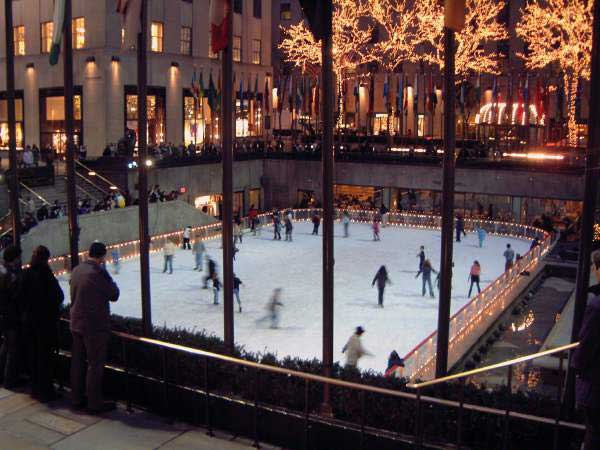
<point x="155" y="105"/>
<point x="194" y="123"/>
<point x="78" y="27"/>
<point x="156" y="31"/>
<point x="19" y="38"/>
<point x="237" y="48"/>
<point x="257" y="9"/>
<point x="285" y="11"/>
<point x="186" y="40"/>
<point x="256" y="51"/>
<point x="4" y="122"/>
<point x="237" y="6"/>
<point x="47" y="29"/>
<point x="52" y="122"/>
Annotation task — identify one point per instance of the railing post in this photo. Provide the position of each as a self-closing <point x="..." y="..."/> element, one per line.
<point x="418" y="421"/>
<point x="165" y="382"/>
<point x="508" y="408"/>
<point x="306" y="415"/>
<point x="559" y="395"/>
<point x="207" y="404"/>
<point x="461" y="410"/>
<point x="127" y="385"/>
<point x="362" y="420"/>
<point x="256" y="418"/>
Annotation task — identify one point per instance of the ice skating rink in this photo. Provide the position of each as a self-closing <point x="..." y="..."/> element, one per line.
<point x="263" y="264"/>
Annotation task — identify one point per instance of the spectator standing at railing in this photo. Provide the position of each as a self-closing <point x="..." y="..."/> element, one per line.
<point x="40" y="297"/>
<point x="474" y="275"/>
<point x="509" y="257"/>
<point x="92" y="290"/>
<point x="10" y="317"/>
<point x="426" y="271"/>
<point x="586" y="363"/>
<point x="36" y="155"/>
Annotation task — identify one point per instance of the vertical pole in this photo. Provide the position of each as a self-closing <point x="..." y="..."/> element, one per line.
<point x="327" y="200"/>
<point x="13" y="180"/>
<point x="441" y="364"/>
<point x="227" y="131"/>
<point x="143" y="170"/>
<point x="69" y="126"/>
<point x="589" y="199"/>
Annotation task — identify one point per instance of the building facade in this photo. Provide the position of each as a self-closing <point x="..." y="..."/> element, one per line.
<point x="105" y="74"/>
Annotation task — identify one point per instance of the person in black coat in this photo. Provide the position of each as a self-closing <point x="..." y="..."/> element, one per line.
<point x="382" y="279"/>
<point x="460" y="228"/>
<point x="40" y="297"/>
<point x="212" y="270"/>
<point x="10" y="318"/>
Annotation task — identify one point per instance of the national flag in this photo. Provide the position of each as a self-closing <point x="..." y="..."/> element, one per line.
<point x="494" y="99"/>
<point x="266" y="97"/>
<point x="405" y="96"/>
<point x="201" y="92"/>
<point x="219" y="11"/>
<point x="400" y="93"/>
<point x="478" y="90"/>
<point x="316" y="101"/>
<point x="520" y="109"/>
<point x="194" y="86"/>
<point x="58" y="23"/>
<point x="372" y="95"/>
<point x="212" y="95"/>
<point x="416" y="94"/>
<point x="130" y="11"/>
<point x="526" y="97"/>
<point x="386" y="88"/>
<point x="461" y="97"/>
<point x="291" y="95"/>
<point x="509" y="101"/>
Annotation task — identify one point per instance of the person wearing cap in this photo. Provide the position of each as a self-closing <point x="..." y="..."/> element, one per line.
<point x="92" y="290"/>
<point x="354" y="349"/>
<point x="10" y="316"/>
<point x="40" y="297"/>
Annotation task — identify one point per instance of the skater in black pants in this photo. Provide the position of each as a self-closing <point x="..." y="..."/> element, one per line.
<point x="474" y="276"/>
<point x="212" y="271"/>
<point x="316" y="220"/>
<point x="381" y="277"/>
<point x="460" y="228"/>
<point x="421" y="257"/>
<point x="276" y="226"/>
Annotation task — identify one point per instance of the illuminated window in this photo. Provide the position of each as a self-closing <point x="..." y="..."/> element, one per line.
<point x="285" y="11"/>
<point x="78" y="27"/>
<point x="19" y="37"/>
<point x="156" y="31"/>
<point x="47" y="29"/>
<point x="256" y="47"/>
<point x="237" y="48"/>
<point x="186" y="40"/>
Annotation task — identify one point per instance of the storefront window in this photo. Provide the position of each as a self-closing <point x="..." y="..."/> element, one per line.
<point x="52" y="121"/>
<point x="194" y="124"/>
<point x="255" y="198"/>
<point x="155" y="104"/>
<point x="4" y="123"/>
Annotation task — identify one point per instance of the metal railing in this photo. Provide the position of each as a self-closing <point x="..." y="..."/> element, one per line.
<point x="560" y="352"/>
<point x="34" y="193"/>
<point x="416" y="438"/>
<point x="110" y="186"/>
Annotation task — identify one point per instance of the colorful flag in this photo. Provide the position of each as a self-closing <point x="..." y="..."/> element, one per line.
<point x="194" y="86"/>
<point x="201" y="92"/>
<point x="266" y="97"/>
<point x="386" y="88"/>
<point x="58" y="23"/>
<point x="509" y="101"/>
<point x="461" y="97"/>
<point x="212" y="95"/>
<point x="317" y="101"/>
<point x="400" y="93"/>
<point x="416" y="94"/>
<point x="219" y="11"/>
<point x="130" y="11"/>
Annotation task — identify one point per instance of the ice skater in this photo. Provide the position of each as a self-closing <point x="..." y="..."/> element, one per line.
<point x="168" y="254"/>
<point x="212" y="271"/>
<point x="509" y="257"/>
<point x="460" y="227"/>
<point x="216" y="288"/>
<point x="198" y="250"/>
<point x="426" y="271"/>
<point x="253" y="218"/>
<point x="236" y="290"/>
<point x="276" y="226"/>
<point x="382" y="279"/>
<point x="395" y="367"/>
<point x="384" y="213"/>
<point x="237" y="232"/>
<point x="375" y="226"/>
<point x="354" y="349"/>
<point x="346" y="222"/>
<point x="481" y="234"/>
<point x="289" y="227"/>
<point x="421" y="257"/>
<point x="115" y="253"/>
<point x="316" y="221"/>
<point x="187" y="233"/>
<point x="273" y="309"/>
<point x="474" y="276"/>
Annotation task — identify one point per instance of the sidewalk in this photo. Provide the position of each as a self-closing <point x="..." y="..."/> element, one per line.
<point x="26" y="424"/>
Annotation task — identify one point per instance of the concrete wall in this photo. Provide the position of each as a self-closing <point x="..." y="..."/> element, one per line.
<point x="282" y="179"/>
<point x="119" y="225"/>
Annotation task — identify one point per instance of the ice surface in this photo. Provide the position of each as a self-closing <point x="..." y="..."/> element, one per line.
<point x="263" y="264"/>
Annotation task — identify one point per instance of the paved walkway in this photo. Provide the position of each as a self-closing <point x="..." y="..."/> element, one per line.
<point x="26" y="424"/>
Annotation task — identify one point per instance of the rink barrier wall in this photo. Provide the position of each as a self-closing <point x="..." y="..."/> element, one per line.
<point x="466" y="326"/>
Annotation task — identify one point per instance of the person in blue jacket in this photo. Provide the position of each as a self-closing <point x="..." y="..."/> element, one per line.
<point x="481" y="234"/>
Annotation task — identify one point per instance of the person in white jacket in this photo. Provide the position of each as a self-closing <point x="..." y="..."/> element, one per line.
<point x="354" y="349"/>
<point x="168" y="253"/>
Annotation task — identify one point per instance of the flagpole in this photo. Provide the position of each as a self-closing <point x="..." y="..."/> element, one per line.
<point x="443" y="332"/>
<point x="69" y="126"/>
<point x="327" y="200"/>
<point x="13" y="178"/>
<point x="142" y="62"/>
<point x="227" y="161"/>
